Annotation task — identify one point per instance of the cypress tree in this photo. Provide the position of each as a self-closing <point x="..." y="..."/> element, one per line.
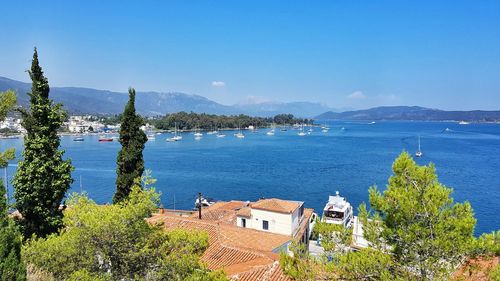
<point x="130" y="161"/>
<point x="42" y="177"/>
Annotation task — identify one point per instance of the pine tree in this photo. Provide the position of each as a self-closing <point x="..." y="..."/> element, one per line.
<point x="130" y="161"/>
<point x="42" y="177"/>
<point x="417" y="217"/>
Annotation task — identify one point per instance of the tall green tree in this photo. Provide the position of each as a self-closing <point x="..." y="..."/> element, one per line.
<point x="11" y="267"/>
<point x="115" y="242"/>
<point x="417" y="219"/>
<point x="42" y="177"/>
<point x="130" y="162"/>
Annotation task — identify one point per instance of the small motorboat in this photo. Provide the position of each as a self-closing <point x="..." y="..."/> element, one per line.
<point x="105" y="139"/>
<point x="78" y="139"/>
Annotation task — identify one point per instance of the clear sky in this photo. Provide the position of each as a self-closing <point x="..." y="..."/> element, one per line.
<point x="356" y="54"/>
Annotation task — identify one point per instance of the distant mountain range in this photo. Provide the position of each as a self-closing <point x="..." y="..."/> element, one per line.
<point x="91" y="101"/>
<point x="412" y="113"/>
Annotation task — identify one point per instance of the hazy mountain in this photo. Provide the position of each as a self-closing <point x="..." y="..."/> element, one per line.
<point x="303" y="109"/>
<point x="411" y="113"/>
<point x="86" y="100"/>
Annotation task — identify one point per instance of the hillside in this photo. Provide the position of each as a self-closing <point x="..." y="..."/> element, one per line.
<point x="86" y="100"/>
<point x="412" y="113"/>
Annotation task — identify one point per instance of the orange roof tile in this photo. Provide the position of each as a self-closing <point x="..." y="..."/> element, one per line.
<point x="244" y="212"/>
<point x="242" y="252"/>
<point x="276" y="205"/>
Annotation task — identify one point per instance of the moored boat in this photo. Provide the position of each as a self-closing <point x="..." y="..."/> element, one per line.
<point x="338" y="211"/>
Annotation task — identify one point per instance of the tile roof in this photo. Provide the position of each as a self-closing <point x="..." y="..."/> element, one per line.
<point x="276" y="205"/>
<point x="244" y="212"/>
<point x="245" y="254"/>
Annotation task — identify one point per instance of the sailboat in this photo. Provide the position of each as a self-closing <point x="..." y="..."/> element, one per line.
<point x="419" y="152"/>
<point x="198" y="133"/>
<point x="175" y="137"/>
<point x="302" y="133"/>
<point x="271" y="132"/>
<point x="239" y="135"/>
<point x="219" y="134"/>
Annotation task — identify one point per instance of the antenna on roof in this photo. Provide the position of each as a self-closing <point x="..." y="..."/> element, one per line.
<point x="199" y="205"/>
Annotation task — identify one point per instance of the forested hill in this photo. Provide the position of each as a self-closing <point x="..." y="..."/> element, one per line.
<point x="412" y="113"/>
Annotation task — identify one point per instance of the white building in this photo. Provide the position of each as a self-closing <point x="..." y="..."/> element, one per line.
<point x="276" y="216"/>
<point x="82" y="124"/>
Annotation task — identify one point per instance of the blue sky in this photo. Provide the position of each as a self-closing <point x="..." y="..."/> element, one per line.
<point x="354" y="54"/>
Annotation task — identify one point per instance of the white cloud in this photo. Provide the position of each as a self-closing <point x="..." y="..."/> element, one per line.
<point x="357" y="95"/>
<point x="218" y="84"/>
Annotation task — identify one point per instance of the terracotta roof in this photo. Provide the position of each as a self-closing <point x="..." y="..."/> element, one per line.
<point x="276" y="205"/>
<point x="272" y="272"/>
<point x="241" y="252"/>
<point x="221" y="211"/>
<point x="244" y="212"/>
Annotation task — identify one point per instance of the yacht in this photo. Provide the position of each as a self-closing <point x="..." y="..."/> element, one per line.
<point x="463" y="123"/>
<point x="419" y="152"/>
<point x="338" y="211"/>
<point x="78" y="139"/>
<point x="151" y="137"/>
<point x="197" y="138"/>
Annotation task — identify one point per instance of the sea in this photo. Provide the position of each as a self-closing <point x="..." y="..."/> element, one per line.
<point x="349" y="158"/>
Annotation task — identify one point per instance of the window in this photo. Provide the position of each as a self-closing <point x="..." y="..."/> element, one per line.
<point x="301" y="211"/>
<point x="265" y="225"/>
<point x="243" y="223"/>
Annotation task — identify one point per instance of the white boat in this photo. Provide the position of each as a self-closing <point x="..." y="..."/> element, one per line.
<point x="205" y="202"/>
<point x="463" y="123"/>
<point x="220" y="135"/>
<point x="301" y="133"/>
<point x="197" y="138"/>
<point x="151" y="137"/>
<point x="211" y="132"/>
<point x="270" y="133"/>
<point x="176" y="137"/>
<point x="198" y="133"/>
<point x="419" y="152"/>
<point x="240" y="134"/>
<point x="338" y="211"/>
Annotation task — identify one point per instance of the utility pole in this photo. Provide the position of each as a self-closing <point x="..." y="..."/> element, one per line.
<point x="199" y="205"/>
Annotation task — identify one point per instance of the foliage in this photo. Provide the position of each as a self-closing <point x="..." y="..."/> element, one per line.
<point x="42" y="177"/>
<point x="334" y="238"/>
<point x="426" y="231"/>
<point x="130" y="161"/>
<point x="366" y="264"/>
<point x="114" y="242"/>
<point x="11" y="267"/>
<point x="189" y="121"/>
<point x="299" y="266"/>
<point x="488" y="244"/>
<point x="495" y="273"/>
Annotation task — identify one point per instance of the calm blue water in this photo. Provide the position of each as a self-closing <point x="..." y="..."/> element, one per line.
<point x="307" y="168"/>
